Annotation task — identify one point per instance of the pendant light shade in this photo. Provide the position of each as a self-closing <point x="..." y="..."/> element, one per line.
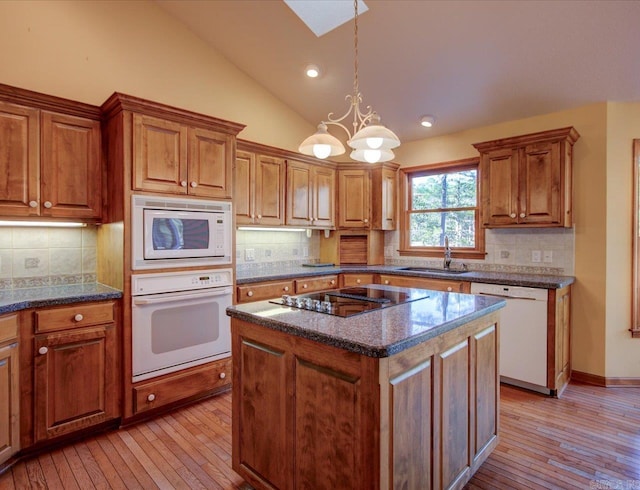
<point x="372" y="156"/>
<point x="374" y="136"/>
<point x="321" y="144"/>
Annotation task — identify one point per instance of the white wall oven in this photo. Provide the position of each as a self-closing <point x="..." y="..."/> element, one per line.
<point x="173" y="232"/>
<point x="179" y="320"/>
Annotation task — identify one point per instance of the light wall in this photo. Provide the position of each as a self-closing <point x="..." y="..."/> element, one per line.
<point x="86" y="50"/>
<point x="601" y="343"/>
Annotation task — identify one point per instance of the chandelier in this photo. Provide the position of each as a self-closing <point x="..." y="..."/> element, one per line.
<point x="371" y="141"/>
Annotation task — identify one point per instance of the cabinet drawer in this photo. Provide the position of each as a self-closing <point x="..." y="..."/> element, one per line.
<point x="426" y="283"/>
<point x="8" y="327"/>
<point x="75" y="316"/>
<point x="316" y="284"/>
<point x="179" y="386"/>
<point x="257" y="292"/>
<point x="349" y="280"/>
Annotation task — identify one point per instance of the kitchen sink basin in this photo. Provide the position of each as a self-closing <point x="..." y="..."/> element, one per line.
<point x="434" y="269"/>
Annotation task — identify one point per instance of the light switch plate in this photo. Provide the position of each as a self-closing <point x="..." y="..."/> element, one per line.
<point x="536" y="256"/>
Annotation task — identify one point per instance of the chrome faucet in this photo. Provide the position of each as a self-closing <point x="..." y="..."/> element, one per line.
<point x="447" y="253"/>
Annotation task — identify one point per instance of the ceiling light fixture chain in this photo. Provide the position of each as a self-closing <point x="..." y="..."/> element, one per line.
<point x="371" y="142"/>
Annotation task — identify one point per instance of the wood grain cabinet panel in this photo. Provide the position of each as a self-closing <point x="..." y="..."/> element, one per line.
<point x="354" y="198"/>
<point x="261" y="291"/>
<point x="312" y="284"/>
<point x="209" y="163"/>
<point x="350" y="280"/>
<point x="75" y="374"/>
<point x="9" y="388"/>
<point x="449" y="285"/>
<point x="526" y="181"/>
<point x="310" y="195"/>
<point x="259" y="189"/>
<point x="50" y="162"/>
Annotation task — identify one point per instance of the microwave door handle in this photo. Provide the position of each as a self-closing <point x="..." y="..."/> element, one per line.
<point x="166" y="298"/>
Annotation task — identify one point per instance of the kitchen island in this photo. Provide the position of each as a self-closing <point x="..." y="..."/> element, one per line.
<point x="404" y="396"/>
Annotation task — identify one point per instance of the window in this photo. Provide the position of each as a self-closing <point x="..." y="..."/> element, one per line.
<point x="441" y="200"/>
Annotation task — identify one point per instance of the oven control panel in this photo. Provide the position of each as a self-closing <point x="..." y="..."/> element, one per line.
<point x="167" y="282"/>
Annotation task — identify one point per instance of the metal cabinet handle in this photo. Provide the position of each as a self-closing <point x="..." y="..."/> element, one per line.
<point x="333" y="281"/>
<point x="386" y="282"/>
<point x="249" y="293"/>
<point x="449" y="289"/>
<point x="151" y="397"/>
<point x="259" y="216"/>
<point x="33" y="204"/>
<point x="512" y="215"/>
<point x="223" y="375"/>
<point x="358" y="281"/>
<point x="183" y="183"/>
<point x="47" y="204"/>
<point x="194" y="184"/>
<point x="79" y="317"/>
<point x="304" y="286"/>
<point x="43" y="350"/>
<point x="286" y="288"/>
<point x="522" y="215"/>
<point x="365" y="220"/>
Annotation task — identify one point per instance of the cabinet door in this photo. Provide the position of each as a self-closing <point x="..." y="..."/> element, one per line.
<point x="159" y="155"/>
<point x="269" y="190"/>
<point x="19" y="160"/>
<point x="354" y="198"/>
<point x="209" y="169"/>
<point x="383" y="199"/>
<point x="71" y="167"/>
<point x="499" y="182"/>
<point x="244" y="187"/>
<point x="540" y="178"/>
<point x="9" y="402"/>
<point x="75" y="380"/>
<point x="324" y="196"/>
<point x="299" y="190"/>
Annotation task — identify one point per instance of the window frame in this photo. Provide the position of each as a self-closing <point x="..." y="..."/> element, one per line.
<point x="406" y="176"/>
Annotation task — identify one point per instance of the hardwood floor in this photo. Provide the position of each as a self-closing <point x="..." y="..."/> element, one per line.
<point x="589" y="438"/>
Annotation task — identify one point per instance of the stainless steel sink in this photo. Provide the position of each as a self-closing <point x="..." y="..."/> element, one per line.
<point x="433" y="270"/>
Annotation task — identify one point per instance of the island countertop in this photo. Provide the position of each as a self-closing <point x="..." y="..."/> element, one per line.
<point x="378" y="333"/>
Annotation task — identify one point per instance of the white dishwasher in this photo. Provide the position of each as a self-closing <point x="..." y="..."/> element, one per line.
<point x="523" y="334"/>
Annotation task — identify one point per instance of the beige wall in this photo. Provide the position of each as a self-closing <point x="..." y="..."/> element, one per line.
<point x="86" y="50"/>
<point x="602" y="203"/>
<point x="623" y="125"/>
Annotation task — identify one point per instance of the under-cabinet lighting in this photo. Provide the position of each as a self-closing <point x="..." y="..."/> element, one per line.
<point x="259" y="228"/>
<point x="47" y="224"/>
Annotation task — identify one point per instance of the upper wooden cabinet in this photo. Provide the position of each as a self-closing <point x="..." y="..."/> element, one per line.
<point x="310" y="195"/>
<point x="259" y="182"/>
<point x="526" y="181"/>
<point x="367" y="196"/>
<point x="175" y="158"/>
<point x="50" y="157"/>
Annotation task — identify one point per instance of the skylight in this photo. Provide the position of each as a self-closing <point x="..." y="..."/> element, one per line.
<point x="322" y="16"/>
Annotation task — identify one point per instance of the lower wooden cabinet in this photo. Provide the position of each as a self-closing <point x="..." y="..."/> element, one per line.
<point x="312" y="284"/>
<point x="350" y="280"/>
<point x="162" y="391"/>
<point x="263" y="290"/>
<point x="308" y="415"/>
<point x="9" y="388"/>
<point x="75" y="368"/>
<point x="426" y="283"/>
<point x="559" y="339"/>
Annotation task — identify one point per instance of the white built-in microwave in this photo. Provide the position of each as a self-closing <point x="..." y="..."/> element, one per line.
<point x="174" y="232"/>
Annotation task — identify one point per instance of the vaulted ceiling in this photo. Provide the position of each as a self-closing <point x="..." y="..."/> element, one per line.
<point x="468" y="63"/>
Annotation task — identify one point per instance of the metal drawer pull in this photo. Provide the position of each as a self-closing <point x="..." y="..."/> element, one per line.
<point x="79" y="317"/>
<point x="43" y="350"/>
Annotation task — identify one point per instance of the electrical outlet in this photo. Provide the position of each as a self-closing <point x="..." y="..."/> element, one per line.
<point x="547" y="256"/>
<point x="504" y="254"/>
<point x="305" y="251"/>
<point x="250" y="254"/>
<point x="536" y="256"/>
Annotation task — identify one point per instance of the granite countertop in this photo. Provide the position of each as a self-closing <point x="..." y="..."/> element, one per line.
<point x="20" y="299"/>
<point x="378" y="333"/>
<point x="507" y="278"/>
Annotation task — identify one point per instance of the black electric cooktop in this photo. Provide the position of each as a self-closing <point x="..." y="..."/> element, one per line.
<point x="349" y="301"/>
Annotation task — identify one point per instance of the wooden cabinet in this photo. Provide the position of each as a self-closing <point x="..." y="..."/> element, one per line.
<point x="75" y="368"/>
<point x="367" y="196"/>
<point x="310" y="195"/>
<point x="312" y="284"/>
<point x="424" y="418"/>
<point x="259" y="183"/>
<point x="9" y="387"/>
<point x="263" y="290"/>
<point x="360" y="279"/>
<point x="175" y="158"/>
<point x="50" y="161"/>
<point x="527" y="180"/>
<point x="450" y="285"/>
<point x="559" y="339"/>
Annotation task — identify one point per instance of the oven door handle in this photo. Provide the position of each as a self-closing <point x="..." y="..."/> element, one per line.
<point x="168" y="297"/>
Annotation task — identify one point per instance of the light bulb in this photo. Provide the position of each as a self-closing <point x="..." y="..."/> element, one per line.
<point x="427" y="121"/>
<point x="372" y="156"/>
<point x="374" y="143"/>
<point x="312" y="71"/>
<point x="321" y="151"/>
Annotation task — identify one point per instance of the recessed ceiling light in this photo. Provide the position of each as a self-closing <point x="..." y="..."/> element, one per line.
<point x="427" y="121"/>
<point x="312" y="71"/>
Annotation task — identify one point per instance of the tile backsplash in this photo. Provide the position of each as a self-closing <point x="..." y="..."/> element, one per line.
<point x="31" y="257"/>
